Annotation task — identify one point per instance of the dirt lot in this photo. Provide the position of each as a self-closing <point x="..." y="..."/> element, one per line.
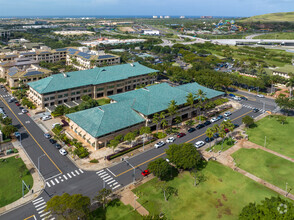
<point x="124" y="29"/>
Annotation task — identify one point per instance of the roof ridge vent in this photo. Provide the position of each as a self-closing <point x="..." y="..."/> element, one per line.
<point x="65" y="75"/>
<point x="132" y="65"/>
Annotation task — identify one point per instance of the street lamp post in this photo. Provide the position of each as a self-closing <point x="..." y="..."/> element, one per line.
<point x="134" y="178"/>
<point x="39" y="163"/>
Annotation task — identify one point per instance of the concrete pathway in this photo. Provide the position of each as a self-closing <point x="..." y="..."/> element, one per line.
<point x="38" y="184"/>
<point x="226" y="159"/>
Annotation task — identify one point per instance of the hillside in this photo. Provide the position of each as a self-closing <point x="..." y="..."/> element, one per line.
<point x="273" y="17"/>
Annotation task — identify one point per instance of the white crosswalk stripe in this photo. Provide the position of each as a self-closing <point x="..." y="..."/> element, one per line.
<point x="108" y="179"/>
<point x="63" y="178"/>
<point x="40" y="206"/>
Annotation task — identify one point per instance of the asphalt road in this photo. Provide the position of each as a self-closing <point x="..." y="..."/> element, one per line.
<point x="63" y="176"/>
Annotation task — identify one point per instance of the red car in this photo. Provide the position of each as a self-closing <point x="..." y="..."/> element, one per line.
<point x="17" y="104"/>
<point x="181" y="135"/>
<point x="145" y="173"/>
<point x="227" y="130"/>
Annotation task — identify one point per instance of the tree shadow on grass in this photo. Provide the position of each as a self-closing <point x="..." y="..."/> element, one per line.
<point x="100" y="213"/>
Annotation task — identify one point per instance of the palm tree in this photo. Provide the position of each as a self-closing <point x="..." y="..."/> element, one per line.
<point x="290" y="84"/>
<point x="178" y="120"/>
<point x="164" y="123"/>
<point x="215" y="128"/>
<point x="190" y="101"/>
<point x="230" y="126"/>
<point x="222" y="134"/>
<point x="172" y="109"/>
<point x="201" y="98"/>
<point x="156" y="120"/>
<point x="209" y="133"/>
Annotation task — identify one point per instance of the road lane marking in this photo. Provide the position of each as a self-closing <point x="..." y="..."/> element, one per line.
<point x="106" y="174"/>
<point x="45" y="214"/>
<point x="108" y="179"/>
<point x="72" y="173"/>
<point x="111" y="182"/>
<point x="110" y="171"/>
<point x="52" y="182"/>
<point x="69" y="175"/>
<point x="65" y="177"/>
<point x="37" y="199"/>
<point x="30" y="134"/>
<point x="35" y="203"/>
<point x="53" y="176"/>
<point x="115" y="187"/>
<point x="47" y="184"/>
<point x="56" y="180"/>
<point x="32" y="216"/>
<point x="36" y="206"/>
<point x="100" y="171"/>
<point x="81" y="171"/>
<point x="41" y="207"/>
<point x="164" y="152"/>
<point x="77" y="172"/>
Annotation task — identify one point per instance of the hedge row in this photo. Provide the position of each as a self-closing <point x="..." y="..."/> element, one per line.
<point x="127" y="150"/>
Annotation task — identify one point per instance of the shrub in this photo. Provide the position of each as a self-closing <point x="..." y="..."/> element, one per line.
<point x="160" y="135"/>
<point x="94" y="161"/>
<point x="15" y="150"/>
<point x="81" y="152"/>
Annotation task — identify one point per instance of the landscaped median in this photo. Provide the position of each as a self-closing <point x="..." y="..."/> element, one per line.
<point x="221" y="195"/>
<point x="12" y="172"/>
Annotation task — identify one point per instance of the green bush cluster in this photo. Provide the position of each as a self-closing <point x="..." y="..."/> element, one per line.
<point x="94" y="161"/>
<point x="28" y="103"/>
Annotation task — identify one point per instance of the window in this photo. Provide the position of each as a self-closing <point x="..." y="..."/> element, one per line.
<point x="46" y="99"/>
<point x="59" y="96"/>
<point x="73" y="93"/>
<point x="85" y="91"/>
<point x="65" y="95"/>
<point x="99" y="89"/>
<point x="52" y="97"/>
<point x="110" y="87"/>
<point x="78" y="92"/>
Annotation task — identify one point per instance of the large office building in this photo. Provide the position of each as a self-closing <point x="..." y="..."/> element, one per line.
<point x="97" y="82"/>
<point x="131" y="110"/>
<point x="83" y="60"/>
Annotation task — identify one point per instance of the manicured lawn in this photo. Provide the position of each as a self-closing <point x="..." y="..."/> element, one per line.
<point x="103" y="101"/>
<point x="279" y="137"/>
<point x="10" y="180"/>
<point x="116" y="210"/>
<point x="267" y="166"/>
<point x="228" y="143"/>
<point x="222" y="196"/>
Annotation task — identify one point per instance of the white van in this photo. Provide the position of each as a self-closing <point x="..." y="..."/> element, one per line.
<point x="47" y="117"/>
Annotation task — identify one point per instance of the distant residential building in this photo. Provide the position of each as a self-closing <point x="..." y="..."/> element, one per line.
<point x="4" y="34"/>
<point x="206" y="17"/>
<point x="282" y="74"/>
<point x="166" y="16"/>
<point x="66" y="33"/>
<point x="182" y="17"/>
<point x="151" y="32"/>
<point x="30" y="46"/>
<point x="154" y="16"/>
<point x="49" y="56"/>
<point x="98" y="82"/>
<point x="111" y="41"/>
<point x="89" y="59"/>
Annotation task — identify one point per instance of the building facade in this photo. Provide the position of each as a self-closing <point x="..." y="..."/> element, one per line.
<point x="98" y="82"/>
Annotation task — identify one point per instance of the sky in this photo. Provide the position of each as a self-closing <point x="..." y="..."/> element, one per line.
<point x="236" y="8"/>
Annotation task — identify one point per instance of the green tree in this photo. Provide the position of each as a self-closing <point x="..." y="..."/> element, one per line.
<point x="184" y="155"/>
<point x="6" y="121"/>
<point x="102" y="197"/>
<point x="190" y="101"/>
<point x="178" y="120"/>
<point x="8" y="130"/>
<point x="172" y="109"/>
<point x="209" y="133"/>
<point x="156" y="120"/>
<point x="281" y="118"/>
<point x="167" y="190"/>
<point x="145" y="131"/>
<point x="247" y="120"/>
<point x="190" y="123"/>
<point x="130" y="137"/>
<point x="201" y="97"/>
<point x="290" y="84"/>
<point x="269" y="208"/>
<point x="69" y="206"/>
<point x="164" y="123"/>
<point x="113" y="144"/>
<point x="222" y="135"/>
<point x="197" y="176"/>
<point x="160" y="168"/>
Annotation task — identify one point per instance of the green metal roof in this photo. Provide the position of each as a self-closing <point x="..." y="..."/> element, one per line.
<point x="94" y="76"/>
<point x="156" y="98"/>
<point x="106" y="119"/>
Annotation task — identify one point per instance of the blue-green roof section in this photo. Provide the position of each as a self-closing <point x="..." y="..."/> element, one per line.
<point x="156" y="98"/>
<point x="103" y="120"/>
<point x="96" y="76"/>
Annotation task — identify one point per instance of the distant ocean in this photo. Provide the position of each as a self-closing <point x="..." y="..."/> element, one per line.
<point x="103" y="16"/>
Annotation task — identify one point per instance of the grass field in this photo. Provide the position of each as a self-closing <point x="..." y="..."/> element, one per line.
<point x="279" y="137"/>
<point x="10" y="180"/>
<point x="267" y="166"/>
<point x="222" y="196"/>
<point x="281" y="35"/>
<point x="272" y="17"/>
<point x="103" y="101"/>
<point x="228" y="143"/>
<point x="116" y="210"/>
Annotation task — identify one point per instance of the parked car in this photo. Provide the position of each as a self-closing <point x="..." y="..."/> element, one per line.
<point x="227" y="114"/>
<point x="260" y="96"/>
<point x="145" y="173"/>
<point x="207" y="139"/>
<point x="170" y="140"/>
<point x="213" y="120"/>
<point x="47" y="117"/>
<point x="216" y="135"/>
<point x="200" y="126"/>
<point x="52" y="141"/>
<point x="236" y="125"/>
<point x="10" y="101"/>
<point x="190" y="130"/>
<point x="199" y="144"/>
<point x="227" y="118"/>
<point x="17" y="103"/>
<point x="17" y="134"/>
<point x="58" y="146"/>
<point x="24" y="111"/>
<point x="63" y="152"/>
<point x="227" y="130"/>
<point x="255" y="110"/>
<point x="159" y="144"/>
<point x="237" y="98"/>
<point x="46" y="135"/>
<point x="181" y="135"/>
<point x="232" y="95"/>
<point x="207" y="123"/>
<point x="220" y="117"/>
<point x="243" y="98"/>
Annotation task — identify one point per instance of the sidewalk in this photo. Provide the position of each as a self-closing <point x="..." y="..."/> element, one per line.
<point x="226" y="159"/>
<point x="38" y="184"/>
<point x="127" y="197"/>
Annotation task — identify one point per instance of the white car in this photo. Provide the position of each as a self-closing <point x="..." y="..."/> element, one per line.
<point x="24" y="111"/>
<point x="237" y="98"/>
<point x="199" y="144"/>
<point x="213" y="120"/>
<point x="227" y="114"/>
<point x="170" y="140"/>
<point x="227" y="118"/>
<point x="260" y="96"/>
<point x="63" y="152"/>
<point x="159" y="144"/>
<point x="47" y="117"/>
